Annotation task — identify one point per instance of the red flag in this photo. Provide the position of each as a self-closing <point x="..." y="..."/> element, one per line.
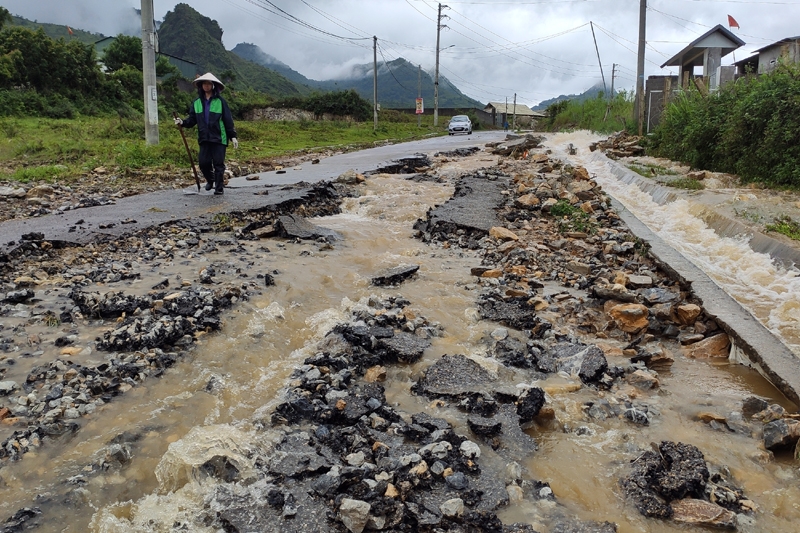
<point x="732" y="22"/>
<point x="70" y="29"/>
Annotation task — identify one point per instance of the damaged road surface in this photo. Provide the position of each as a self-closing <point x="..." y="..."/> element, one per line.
<point x="485" y="349"/>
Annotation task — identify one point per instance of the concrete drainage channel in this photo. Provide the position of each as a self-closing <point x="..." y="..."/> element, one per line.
<point x="753" y="344"/>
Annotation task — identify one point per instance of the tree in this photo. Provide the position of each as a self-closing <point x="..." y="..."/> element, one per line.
<point x="5" y="17"/>
<point x="124" y="50"/>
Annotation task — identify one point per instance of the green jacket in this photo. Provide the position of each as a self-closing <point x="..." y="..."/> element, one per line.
<point x="219" y="128"/>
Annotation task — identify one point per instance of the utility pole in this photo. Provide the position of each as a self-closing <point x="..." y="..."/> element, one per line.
<point x="613" y="73"/>
<point x="149" y="74"/>
<point x="375" y="83"/>
<point x="603" y="76"/>
<point x="436" y="73"/>
<point x="419" y="93"/>
<point x="639" y="108"/>
<point x="611" y="96"/>
<point x="514" y="120"/>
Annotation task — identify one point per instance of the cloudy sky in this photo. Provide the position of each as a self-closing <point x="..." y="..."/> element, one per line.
<point x="495" y="48"/>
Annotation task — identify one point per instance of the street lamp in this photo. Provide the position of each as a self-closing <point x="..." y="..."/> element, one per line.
<point x="436" y="84"/>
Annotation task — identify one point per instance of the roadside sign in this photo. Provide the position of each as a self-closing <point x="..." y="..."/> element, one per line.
<point x="419" y="106"/>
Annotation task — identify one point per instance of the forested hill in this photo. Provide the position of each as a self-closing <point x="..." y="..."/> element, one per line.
<point x="187" y="34"/>
<point x="57" y="31"/>
<point x="397" y="81"/>
<point x="589" y="94"/>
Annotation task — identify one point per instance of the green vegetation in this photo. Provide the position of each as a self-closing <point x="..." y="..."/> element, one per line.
<point x="572" y="219"/>
<point x="648" y="170"/>
<point x="58" y="31"/>
<point x="597" y="114"/>
<point x="786" y="225"/>
<point x="684" y="183"/>
<point x="187" y="34"/>
<point x="750" y="128"/>
<point x="44" y="149"/>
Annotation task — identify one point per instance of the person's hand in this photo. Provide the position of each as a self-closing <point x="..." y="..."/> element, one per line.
<point x="178" y="121"/>
<point x="235" y="143"/>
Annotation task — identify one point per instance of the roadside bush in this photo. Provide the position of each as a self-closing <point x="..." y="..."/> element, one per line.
<point x="596" y="114"/>
<point x="750" y="128"/>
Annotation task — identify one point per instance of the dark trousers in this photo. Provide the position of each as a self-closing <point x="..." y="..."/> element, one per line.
<point x="212" y="163"/>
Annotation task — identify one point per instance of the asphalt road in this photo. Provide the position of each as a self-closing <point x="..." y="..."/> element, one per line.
<point x="81" y="226"/>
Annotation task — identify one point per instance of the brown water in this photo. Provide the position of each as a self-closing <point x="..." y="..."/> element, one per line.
<point x="219" y="397"/>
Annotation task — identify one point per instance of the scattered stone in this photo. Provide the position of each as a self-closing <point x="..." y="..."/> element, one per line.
<point x="354" y="514"/>
<point x="700" y="512"/>
<point x="395" y="275"/>
<point x="717" y="346"/>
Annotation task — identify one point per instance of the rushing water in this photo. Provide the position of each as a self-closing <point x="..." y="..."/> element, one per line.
<point x="220" y="397"/>
<point x="769" y="291"/>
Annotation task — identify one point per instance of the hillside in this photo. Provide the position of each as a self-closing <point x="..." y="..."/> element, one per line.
<point x="397" y="81"/>
<point x="57" y="31"/>
<point x="187" y="34"/>
<point x="589" y="94"/>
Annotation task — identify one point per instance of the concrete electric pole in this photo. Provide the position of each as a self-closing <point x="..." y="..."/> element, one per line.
<point x="436" y="73"/>
<point x="149" y="74"/>
<point x="603" y="76"/>
<point x="419" y="93"/>
<point x="514" y="120"/>
<point x="639" y="108"/>
<point x="375" y="82"/>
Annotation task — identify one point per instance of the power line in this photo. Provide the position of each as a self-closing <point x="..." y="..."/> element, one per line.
<point x="390" y="69"/>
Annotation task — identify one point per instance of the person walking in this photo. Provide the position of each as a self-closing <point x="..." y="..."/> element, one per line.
<point x="215" y="129"/>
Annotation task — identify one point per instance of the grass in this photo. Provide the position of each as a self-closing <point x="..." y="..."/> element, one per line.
<point x="40" y="149"/>
<point x="648" y="170"/>
<point x="572" y="219"/>
<point x="685" y="183"/>
<point x="596" y="114"/>
<point x="786" y="225"/>
<point x="747" y="214"/>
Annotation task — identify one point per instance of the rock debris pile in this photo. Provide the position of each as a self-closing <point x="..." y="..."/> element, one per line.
<point x="620" y="145"/>
<point x="559" y="266"/>
<point x="350" y="460"/>
<point x="50" y="380"/>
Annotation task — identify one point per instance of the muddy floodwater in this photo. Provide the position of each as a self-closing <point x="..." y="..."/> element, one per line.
<point x="221" y="395"/>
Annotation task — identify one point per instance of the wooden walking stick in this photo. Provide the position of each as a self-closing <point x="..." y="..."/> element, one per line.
<point x="186" y="144"/>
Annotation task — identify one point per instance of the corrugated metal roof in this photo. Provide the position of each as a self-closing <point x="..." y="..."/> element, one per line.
<point x="782" y="41"/>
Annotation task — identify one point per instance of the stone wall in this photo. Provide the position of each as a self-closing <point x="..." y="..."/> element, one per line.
<point x="293" y="115"/>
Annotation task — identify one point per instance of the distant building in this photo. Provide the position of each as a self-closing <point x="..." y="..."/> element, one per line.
<point x="187" y="69"/>
<point x="502" y="112"/>
<point x="766" y="59"/>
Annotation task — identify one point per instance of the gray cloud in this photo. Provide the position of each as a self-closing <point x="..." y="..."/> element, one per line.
<point x="536" y="48"/>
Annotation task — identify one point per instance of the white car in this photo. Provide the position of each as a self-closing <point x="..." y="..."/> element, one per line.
<point x="460" y="124"/>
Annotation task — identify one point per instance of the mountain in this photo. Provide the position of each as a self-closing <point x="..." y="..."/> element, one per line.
<point x="57" y="31"/>
<point x="397" y="81"/>
<point x="589" y="94"/>
<point x="187" y="34"/>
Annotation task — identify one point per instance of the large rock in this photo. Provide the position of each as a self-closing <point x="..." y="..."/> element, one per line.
<point x="717" y="346"/>
<point x="631" y="318"/>
<point x="503" y="234"/>
<point x="454" y="376"/>
<point x="354" y="514"/>
<point x="12" y="192"/>
<point x="300" y="228"/>
<point x="688" y="313"/>
<point x="395" y="275"/>
<point x="701" y="512"/>
<point x="7" y="387"/>
<point x="781" y="433"/>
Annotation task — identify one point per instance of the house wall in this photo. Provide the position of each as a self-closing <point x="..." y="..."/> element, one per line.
<point x="769" y="59"/>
